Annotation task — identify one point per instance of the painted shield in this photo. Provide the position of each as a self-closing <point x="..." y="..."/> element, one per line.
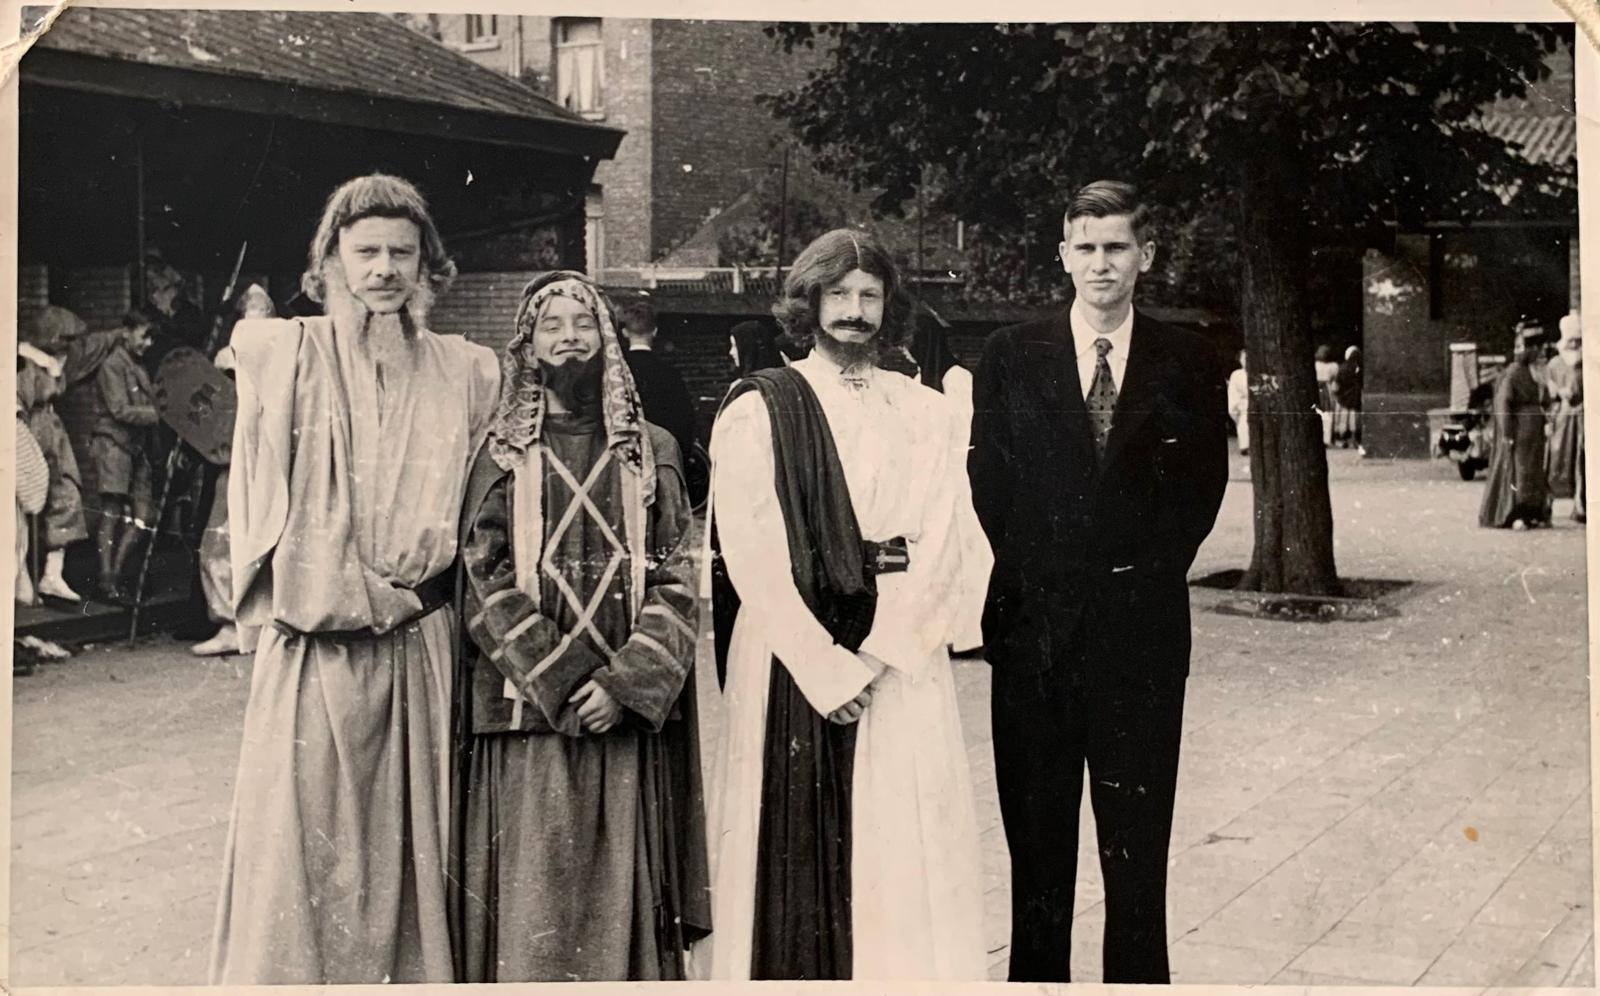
<point x="198" y="401"/>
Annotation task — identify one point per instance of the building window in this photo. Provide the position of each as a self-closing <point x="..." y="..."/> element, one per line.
<point x="594" y="231"/>
<point x="580" y="71"/>
<point x="482" y="29"/>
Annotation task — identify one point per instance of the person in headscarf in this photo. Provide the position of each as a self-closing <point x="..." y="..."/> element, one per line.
<point x="351" y="449"/>
<point x="55" y="352"/>
<point x="216" y="560"/>
<point x="582" y="853"/>
<point x="1347" y="392"/>
<point x="846" y="837"/>
<point x="1564" y="379"/>
<point x="753" y="346"/>
<point x="1517" y="493"/>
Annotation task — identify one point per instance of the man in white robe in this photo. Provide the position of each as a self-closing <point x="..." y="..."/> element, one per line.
<point x="844" y="823"/>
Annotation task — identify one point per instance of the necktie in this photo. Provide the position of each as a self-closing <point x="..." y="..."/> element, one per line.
<point x="1102" y="399"/>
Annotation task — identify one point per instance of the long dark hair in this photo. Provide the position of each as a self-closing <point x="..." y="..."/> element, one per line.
<point x="824" y="263"/>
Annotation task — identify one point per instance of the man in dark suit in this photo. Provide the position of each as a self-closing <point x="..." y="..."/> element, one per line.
<point x="662" y="392"/>
<point x="1098" y="464"/>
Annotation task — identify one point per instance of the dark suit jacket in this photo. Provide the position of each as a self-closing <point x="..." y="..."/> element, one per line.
<point x="664" y="396"/>
<point x="1091" y="561"/>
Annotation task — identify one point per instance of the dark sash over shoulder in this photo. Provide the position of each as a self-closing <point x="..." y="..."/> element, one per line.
<point x="802" y="899"/>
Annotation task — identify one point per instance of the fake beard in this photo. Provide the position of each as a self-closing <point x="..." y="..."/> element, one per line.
<point x="848" y="354"/>
<point x="348" y="311"/>
<point x="575" y="383"/>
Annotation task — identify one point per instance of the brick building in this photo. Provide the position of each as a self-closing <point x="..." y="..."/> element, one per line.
<point x="684" y="91"/>
<point x="1452" y="282"/>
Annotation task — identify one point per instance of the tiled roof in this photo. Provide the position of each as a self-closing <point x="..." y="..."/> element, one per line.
<point x="354" y="53"/>
<point x="1544" y="138"/>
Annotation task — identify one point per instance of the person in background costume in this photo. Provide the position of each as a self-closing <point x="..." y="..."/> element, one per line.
<point x="54" y="352"/>
<point x="123" y="436"/>
<point x="939" y="369"/>
<point x="1239" y="401"/>
<point x="753" y="346"/>
<point x="1564" y="378"/>
<point x="844" y="820"/>
<point x="583" y="856"/>
<point x="1517" y="492"/>
<point x="661" y="389"/>
<point x="33" y="487"/>
<point x="349" y="464"/>
<point x="1347" y="427"/>
<point x="216" y="560"/>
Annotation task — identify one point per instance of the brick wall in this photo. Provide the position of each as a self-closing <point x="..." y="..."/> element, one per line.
<point x="712" y="142"/>
<point x="99" y="295"/>
<point x="482" y="307"/>
<point x="625" y="178"/>
<point x="33" y="290"/>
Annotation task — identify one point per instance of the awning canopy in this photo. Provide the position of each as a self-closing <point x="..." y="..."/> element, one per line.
<point x="357" y="70"/>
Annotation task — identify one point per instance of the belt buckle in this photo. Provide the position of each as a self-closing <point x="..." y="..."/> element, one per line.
<point x="892" y="557"/>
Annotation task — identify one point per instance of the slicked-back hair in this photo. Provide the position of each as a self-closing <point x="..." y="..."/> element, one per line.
<point x="376" y="196"/>
<point x="1105" y="198"/>
<point x="824" y="263"/>
<point x="638" y="310"/>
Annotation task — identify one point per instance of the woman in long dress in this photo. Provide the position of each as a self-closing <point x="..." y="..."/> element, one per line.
<point x="1517" y="494"/>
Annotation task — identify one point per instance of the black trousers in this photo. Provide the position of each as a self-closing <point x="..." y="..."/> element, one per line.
<point x="1047" y="726"/>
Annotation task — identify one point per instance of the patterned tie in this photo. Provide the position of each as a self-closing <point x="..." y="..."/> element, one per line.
<point x="1102" y="399"/>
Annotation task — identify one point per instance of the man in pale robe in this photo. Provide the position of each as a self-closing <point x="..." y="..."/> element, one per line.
<point x="1564" y="380"/>
<point x="846" y="838"/>
<point x="350" y="460"/>
<point x="583" y="855"/>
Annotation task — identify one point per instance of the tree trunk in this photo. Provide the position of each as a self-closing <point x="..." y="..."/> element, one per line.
<point x="1288" y="465"/>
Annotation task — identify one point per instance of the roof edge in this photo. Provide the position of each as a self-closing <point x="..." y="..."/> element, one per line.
<point x="61" y="69"/>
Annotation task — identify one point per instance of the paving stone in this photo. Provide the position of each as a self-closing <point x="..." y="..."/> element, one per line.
<point x="1484" y="955"/>
<point x="1194" y="962"/>
<point x="1558" y="953"/>
<point x="1353" y="757"/>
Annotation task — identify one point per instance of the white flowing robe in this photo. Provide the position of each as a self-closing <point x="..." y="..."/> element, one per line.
<point x="977" y="560"/>
<point x="916" y="880"/>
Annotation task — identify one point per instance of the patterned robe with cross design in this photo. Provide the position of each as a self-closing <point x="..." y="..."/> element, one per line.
<point x="583" y="856"/>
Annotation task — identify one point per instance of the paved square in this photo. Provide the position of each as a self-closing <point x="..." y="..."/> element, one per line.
<point x="1404" y="801"/>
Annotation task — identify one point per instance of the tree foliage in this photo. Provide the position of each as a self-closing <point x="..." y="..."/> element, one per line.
<point x="1259" y="141"/>
<point x="1372" y="123"/>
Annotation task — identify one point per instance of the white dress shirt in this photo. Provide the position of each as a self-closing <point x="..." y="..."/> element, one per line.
<point x="1083" y="338"/>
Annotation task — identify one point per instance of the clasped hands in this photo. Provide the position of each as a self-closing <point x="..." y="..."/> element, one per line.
<point x="851" y="711"/>
<point x="597" y="710"/>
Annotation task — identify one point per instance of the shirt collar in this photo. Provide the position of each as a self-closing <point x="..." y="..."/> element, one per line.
<point x="824" y="366"/>
<point x="1084" y="334"/>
